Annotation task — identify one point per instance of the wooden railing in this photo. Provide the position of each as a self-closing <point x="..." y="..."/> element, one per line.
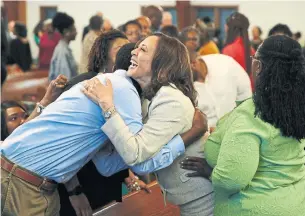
<point x="29" y="86"/>
<point x="141" y="204"/>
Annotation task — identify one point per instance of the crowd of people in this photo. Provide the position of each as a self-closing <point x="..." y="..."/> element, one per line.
<point x="220" y="123"/>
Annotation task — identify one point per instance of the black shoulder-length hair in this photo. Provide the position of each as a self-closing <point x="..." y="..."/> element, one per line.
<point x="279" y="96"/>
<point x="171" y="64"/>
<point x="238" y="25"/>
<point x="4" y="106"/>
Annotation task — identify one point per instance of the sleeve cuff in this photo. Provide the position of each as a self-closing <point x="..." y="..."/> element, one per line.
<point x="176" y="146"/>
<point x="113" y="125"/>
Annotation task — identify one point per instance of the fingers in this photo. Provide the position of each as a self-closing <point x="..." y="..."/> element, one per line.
<point x="78" y="212"/>
<point x="84" y="212"/>
<point x="61" y="80"/>
<point x="89" y="211"/>
<point x="194" y="174"/>
<point x="192" y="159"/>
<point x="146" y="188"/>
<point x="90" y="95"/>
<point x="190" y="167"/>
<point x="108" y="82"/>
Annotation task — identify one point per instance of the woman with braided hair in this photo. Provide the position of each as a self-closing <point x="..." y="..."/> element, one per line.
<point x="255" y="157"/>
<point x="237" y="43"/>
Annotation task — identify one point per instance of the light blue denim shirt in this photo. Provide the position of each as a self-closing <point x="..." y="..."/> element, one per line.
<point x="68" y="134"/>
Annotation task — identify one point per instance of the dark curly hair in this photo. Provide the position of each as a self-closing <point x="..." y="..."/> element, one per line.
<point x="279" y="96"/>
<point x="98" y="56"/>
<point x="280" y="29"/>
<point x="20" y="29"/>
<point x="171" y="65"/>
<point x="62" y="21"/>
<point x="4" y="106"/>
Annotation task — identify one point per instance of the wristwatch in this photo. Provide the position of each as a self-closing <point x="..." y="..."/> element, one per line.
<point x="109" y="113"/>
<point x="76" y="191"/>
<point x="40" y="107"/>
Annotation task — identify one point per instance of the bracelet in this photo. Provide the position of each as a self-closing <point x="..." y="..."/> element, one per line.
<point x="109" y="113"/>
<point x="76" y="191"/>
<point x="134" y="185"/>
<point x="40" y="107"/>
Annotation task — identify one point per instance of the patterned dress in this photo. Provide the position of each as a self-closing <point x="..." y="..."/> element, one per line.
<point x="257" y="171"/>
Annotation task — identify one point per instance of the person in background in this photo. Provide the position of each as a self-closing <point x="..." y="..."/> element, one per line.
<point x="237" y="41"/>
<point x="217" y="39"/>
<point x="205" y="99"/>
<point x="63" y="61"/>
<point x="167" y="19"/>
<point x="87" y="28"/>
<point x="38" y="32"/>
<point x="48" y="42"/>
<point x="146" y="25"/>
<point x="221" y="84"/>
<point x="255" y="157"/>
<point x="96" y="23"/>
<point x="10" y="31"/>
<point x="296" y="36"/>
<point x="170" y="30"/>
<point x="133" y="31"/>
<point x="208" y="46"/>
<point x="99" y="189"/>
<point x="280" y="29"/>
<point x="107" y="26"/>
<point x="190" y="37"/>
<point x="155" y="14"/>
<point x="14" y="114"/>
<point x="20" y="51"/>
<point x="256" y="37"/>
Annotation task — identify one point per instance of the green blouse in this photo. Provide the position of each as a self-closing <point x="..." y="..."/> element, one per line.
<point x="257" y="171"/>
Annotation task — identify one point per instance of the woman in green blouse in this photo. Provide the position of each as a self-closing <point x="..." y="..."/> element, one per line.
<point x="255" y="157"/>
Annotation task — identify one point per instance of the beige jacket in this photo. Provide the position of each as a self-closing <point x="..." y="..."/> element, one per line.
<point x="169" y="113"/>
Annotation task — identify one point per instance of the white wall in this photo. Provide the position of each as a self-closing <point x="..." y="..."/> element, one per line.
<point x="264" y="14"/>
<point x="118" y="12"/>
<point x="268" y="13"/>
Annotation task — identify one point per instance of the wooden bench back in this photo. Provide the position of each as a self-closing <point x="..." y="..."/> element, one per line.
<point x="141" y="204"/>
<point x="29" y="86"/>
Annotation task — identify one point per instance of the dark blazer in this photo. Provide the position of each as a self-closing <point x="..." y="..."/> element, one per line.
<point x="99" y="190"/>
<point x="20" y="54"/>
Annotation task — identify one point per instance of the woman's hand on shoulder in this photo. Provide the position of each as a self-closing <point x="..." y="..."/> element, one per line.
<point x="99" y="93"/>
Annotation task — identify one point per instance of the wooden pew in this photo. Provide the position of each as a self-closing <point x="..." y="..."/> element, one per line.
<point x="29" y="86"/>
<point x="141" y="204"/>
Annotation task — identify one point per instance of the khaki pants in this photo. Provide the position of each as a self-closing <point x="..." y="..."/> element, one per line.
<point x="19" y="198"/>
